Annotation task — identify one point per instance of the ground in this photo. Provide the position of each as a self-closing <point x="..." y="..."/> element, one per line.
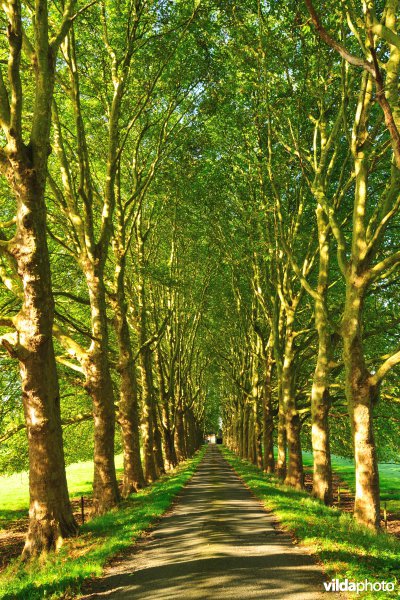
<point x="218" y="541"/>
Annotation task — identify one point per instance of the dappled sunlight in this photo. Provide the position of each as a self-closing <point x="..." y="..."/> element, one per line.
<point x="214" y="540"/>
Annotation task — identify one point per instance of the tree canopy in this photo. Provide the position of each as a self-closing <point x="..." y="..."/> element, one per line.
<point x="199" y="230"/>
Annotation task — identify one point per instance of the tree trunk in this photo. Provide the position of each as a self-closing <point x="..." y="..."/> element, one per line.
<point x="148" y="401"/>
<point x="133" y="478"/>
<point x="294" y="473"/>
<point x="268" y="420"/>
<point x="251" y="438"/>
<point x="99" y="386"/>
<point x="361" y="397"/>
<point x="246" y="432"/>
<point x="180" y="433"/>
<point x="50" y="514"/>
<point x="191" y="432"/>
<point x="158" y="454"/>
<point x="258" y="434"/>
<point x="320" y="400"/>
<point x="282" y="443"/>
<point x="169" y="447"/>
<point x="241" y="431"/>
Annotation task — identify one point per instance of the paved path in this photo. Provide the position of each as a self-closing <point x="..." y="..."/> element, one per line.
<point x="216" y="543"/>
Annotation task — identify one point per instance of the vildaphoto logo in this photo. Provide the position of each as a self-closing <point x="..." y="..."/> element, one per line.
<point x="344" y="585"/>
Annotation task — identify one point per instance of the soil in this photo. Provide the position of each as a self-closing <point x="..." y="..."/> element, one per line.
<point x="345" y="501"/>
<point x="12" y="538"/>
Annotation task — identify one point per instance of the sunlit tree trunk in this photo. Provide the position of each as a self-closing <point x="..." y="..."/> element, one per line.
<point x="361" y="397"/>
<point x="50" y="514"/>
<point x="320" y="400"/>
<point x="148" y="431"/>
<point x="25" y="167"/>
<point x="241" y="429"/>
<point x="361" y="394"/>
<point x="246" y="431"/>
<point x="256" y="429"/>
<point x="282" y="442"/>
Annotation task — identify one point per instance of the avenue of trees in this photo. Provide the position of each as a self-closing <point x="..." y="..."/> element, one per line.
<point x="199" y="225"/>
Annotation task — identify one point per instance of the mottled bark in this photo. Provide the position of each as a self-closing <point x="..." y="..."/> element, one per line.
<point x="99" y="386"/>
<point x="169" y="447"/>
<point x="180" y="444"/>
<point x="361" y="397"/>
<point x="258" y="434"/>
<point x="50" y="514"/>
<point x="191" y="432"/>
<point x="133" y="478"/>
<point x="246" y="431"/>
<point x="166" y="426"/>
<point x="282" y="442"/>
<point x="148" y="400"/>
<point x="294" y="472"/>
<point x="268" y="463"/>
<point x="320" y="400"/>
<point x="25" y="166"/>
<point x="241" y="430"/>
<point x="158" y="453"/>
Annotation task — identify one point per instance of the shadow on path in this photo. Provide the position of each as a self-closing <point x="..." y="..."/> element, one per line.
<point x="217" y="542"/>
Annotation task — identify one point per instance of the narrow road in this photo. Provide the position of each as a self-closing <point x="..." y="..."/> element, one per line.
<point x="216" y="543"/>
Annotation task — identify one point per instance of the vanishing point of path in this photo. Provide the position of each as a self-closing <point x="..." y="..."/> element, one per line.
<point x="218" y="543"/>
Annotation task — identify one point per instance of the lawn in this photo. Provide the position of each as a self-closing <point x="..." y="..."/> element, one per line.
<point x="14" y="489"/>
<point x="389" y="477"/>
<point x="346" y="549"/>
<point x="60" y="575"/>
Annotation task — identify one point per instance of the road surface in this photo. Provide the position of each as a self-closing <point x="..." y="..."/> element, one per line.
<point x="217" y="542"/>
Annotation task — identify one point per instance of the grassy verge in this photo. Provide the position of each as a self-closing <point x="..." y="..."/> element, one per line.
<point x="61" y="575"/>
<point x="389" y="478"/>
<point x="346" y="549"/>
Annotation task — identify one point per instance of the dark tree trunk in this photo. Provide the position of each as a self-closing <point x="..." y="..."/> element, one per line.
<point x="181" y="451"/>
<point x="99" y="386"/>
<point x="268" y="421"/>
<point x="281" y="462"/>
<point x="158" y="453"/>
<point x="166" y="427"/>
<point x="294" y="473"/>
<point x="133" y="478"/>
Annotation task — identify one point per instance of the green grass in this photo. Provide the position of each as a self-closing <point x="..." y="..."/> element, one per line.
<point x="389" y="477"/>
<point x="14" y="489"/>
<point x="346" y="549"/>
<point x="61" y="574"/>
